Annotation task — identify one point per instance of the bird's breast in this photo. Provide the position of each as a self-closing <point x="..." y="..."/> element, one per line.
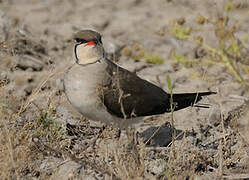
<point x="82" y="85"/>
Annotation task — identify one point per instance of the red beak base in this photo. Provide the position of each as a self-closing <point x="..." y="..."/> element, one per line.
<point x="92" y="43"/>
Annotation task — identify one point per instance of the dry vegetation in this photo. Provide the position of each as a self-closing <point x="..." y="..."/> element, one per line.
<point x="41" y="138"/>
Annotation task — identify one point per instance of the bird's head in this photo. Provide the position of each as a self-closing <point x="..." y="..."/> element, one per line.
<point x="88" y="47"/>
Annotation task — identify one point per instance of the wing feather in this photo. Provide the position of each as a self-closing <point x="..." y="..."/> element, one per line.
<point x="126" y="95"/>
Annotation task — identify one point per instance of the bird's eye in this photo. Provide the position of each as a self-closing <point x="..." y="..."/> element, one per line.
<point x="78" y="40"/>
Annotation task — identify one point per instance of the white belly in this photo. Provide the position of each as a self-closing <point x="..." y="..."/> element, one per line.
<point x="81" y="87"/>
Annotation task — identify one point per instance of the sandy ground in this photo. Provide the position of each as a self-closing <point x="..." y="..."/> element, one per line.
<point x="36" y="45"/>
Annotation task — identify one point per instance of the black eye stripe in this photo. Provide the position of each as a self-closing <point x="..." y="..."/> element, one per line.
<point x="81" y="41"/>
<point x="78" y="40"/>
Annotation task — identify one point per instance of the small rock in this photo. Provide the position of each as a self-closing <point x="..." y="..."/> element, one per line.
<point x="26" y="62"/>
<point x="66" y="171"/>
<point x="157" y="166"/>
<point x="35" y="140"/>
<point x="159" y="136"/>
<point x="215" y="116"/>
<point x="4" y="27"/>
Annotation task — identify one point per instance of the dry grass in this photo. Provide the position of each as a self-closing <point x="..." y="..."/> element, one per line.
<point x="126" y="162"/>
<point x="29" y="132"/>
<point x="15" y="149"/>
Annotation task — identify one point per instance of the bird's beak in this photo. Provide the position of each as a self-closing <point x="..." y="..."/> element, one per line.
<point x="90" y="43"/>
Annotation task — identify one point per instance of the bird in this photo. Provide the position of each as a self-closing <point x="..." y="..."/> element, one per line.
<point x="101" y="90"/>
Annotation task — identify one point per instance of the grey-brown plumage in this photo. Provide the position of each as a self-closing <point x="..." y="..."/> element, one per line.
<point x="103" y="91"/>
<point x="126" y="95"/>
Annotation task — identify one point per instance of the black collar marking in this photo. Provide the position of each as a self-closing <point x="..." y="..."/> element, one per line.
<point x="75" y="53"/>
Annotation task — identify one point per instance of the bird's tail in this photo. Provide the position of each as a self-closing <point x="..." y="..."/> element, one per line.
<point x="188" y="99"/>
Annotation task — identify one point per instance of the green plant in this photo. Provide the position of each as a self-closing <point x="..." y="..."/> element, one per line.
<point x="154" y="59"/>
<point x="180" y="31"/>
<point x="48" y="126"/>
<point x="227" y="54"/>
